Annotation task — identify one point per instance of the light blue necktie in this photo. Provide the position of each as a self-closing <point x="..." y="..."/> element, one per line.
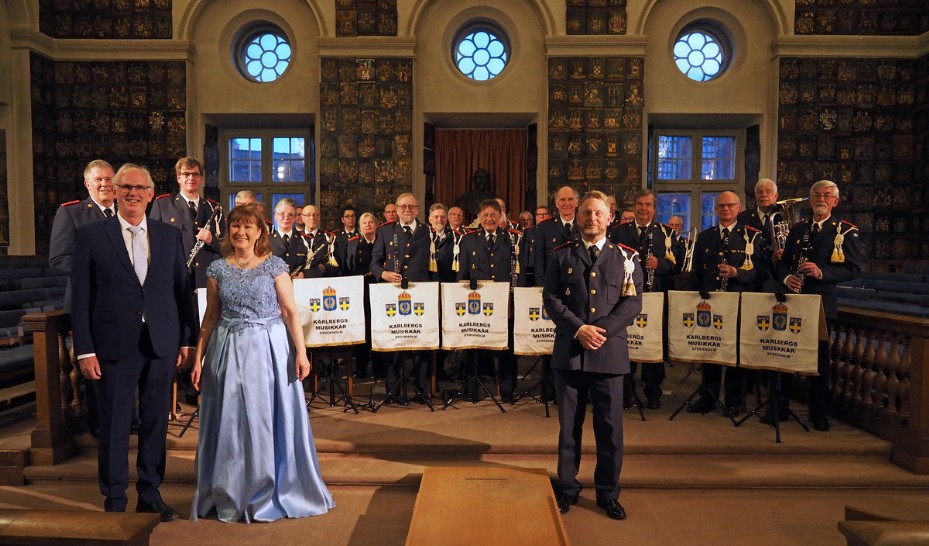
<point x="139" y="256"/>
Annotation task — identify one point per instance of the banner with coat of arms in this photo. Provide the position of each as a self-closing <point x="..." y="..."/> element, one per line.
<point x="404" y="319"/>
<point x="533" y="329"/>
<point x="645" y="334"/>
<point x="781" y="336"/>
<point x="703" y="330"/>
<point x="475" y="319"/>
<point x="331" y="310"/>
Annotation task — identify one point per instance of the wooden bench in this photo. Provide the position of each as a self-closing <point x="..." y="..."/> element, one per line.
<point x="25" y="527"/>
<point x="865" y="528"/>
<point x="478" y="505"/>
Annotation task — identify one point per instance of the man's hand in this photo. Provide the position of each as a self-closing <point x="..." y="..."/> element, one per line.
<point x="390" y="276"/>
<point x="811" y="270"/>
<point x="793" y="282"/>
<point x="205" y="235"/>
<point x="591" y="337"/>
<point x="776" y="257"/>
<point x="90" y="368"/>
<point x="728" y="271"/>
<point x="182" y="358"/>
<point x="651" y="262"/>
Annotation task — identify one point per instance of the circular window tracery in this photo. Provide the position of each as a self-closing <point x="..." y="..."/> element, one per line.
<point x="702" y="53"/>
<point x="263" y="54"/>
<point x="481" y="52"/>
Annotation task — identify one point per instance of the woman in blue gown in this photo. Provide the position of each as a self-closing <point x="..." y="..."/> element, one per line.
<point x="256" y="460"/>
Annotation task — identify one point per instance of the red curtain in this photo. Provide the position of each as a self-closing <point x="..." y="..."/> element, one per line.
<point x="459" y="153"/>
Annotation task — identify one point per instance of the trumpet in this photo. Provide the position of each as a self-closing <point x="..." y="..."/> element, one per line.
<point x="214" y="217"/>
<point x="689" y="244"/>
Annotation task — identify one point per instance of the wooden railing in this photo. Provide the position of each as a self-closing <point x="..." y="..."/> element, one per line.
<point x="880" y="380"/>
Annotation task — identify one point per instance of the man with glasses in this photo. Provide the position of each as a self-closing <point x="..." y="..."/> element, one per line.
<point x="720" y="260"/>
<point x="199" y="219"/>
<point x="134" y="323"/>
<point x="818" y="255"/>
<point x="286" y="242"/>
<point x="760" y="218"/>
<point x="404" y="244"/>
<point x="348" y="216"/>
<point x="316" y="240"/>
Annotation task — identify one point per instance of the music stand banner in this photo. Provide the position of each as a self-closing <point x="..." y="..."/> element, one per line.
<point x="331" y="310"/>
<point x="645" y="334"/>
<point x="780" y="336"/>
<point x="475" y="319"/>
<point x="404" y="319"/>
<point x="703" y="330"/>
<point x="533" y="329"/>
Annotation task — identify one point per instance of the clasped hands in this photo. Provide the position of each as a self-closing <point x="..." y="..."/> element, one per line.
<point x="591" y="337"/>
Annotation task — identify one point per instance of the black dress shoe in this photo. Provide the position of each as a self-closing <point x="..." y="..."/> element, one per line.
<point x="702" y="406"/>
<point x="654" y="403"/>
<point x="157" y="506"/>
<point x="734" y="409"/>
<point x="771" y="419"/>
<point x="506" y="397"/>
<point x="565" y="501"/>
<point x="820" y="423"/>
<point x="613" y="509"/>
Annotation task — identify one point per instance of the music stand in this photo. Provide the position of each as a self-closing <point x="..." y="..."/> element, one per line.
<point x="636" y="401"/>
<point x="333" y="384"/>
<point x="194" y="415"/>
<point x="469" y="389"/>
<point x="774" y="408"/>
<point x="541" y="398"/>
<point x="703" y="391"/>
<point x="394" y="394"/>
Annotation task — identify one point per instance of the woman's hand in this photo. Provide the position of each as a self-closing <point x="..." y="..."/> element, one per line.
<point x="303" y="364"/>
<point x="195" y="375"/>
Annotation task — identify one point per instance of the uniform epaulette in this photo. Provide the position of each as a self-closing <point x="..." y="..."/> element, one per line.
<point x="564" y="245"/>
<point x="629" y="248"/>
<point x="847" y="223"/>
<point x="162" y="196"/>
<point x="545" y="221"/>
<point x="355" y="238"/>
<point x="212" y="201"/>
<point x="466" y="233"/>
<point x="70" y="203"/>
<point x="388" y="223"/>
<point x="750" y="228"/>
<point x="516" y="232"/>
<point x="332" y="233"/>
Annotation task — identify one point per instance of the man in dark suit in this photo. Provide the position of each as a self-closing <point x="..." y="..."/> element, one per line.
<point x="349" y="229"/>
<point x="197" y="218"/>
<point x="487" y="255"/>
<point x="401" y="251"/>
<point x="286" y="242"/>
<point x="760" y="218"/>
<point x="589" y="295"/>
<point x="133" y="324"/>
<point x="721" y="264"/>
<point x="316" y="240"/>
<point x="811" y="264"/>
<point x="99" y="205"/>
<point x="662" y="255"/>
<point x="443" y="240"/>
<point x="357" y="261"/>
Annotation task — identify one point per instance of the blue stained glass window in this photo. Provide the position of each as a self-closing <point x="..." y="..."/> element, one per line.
<point x="481" y="53"/>
<point x="264" y="56"/>
<point x="700" y="54"/>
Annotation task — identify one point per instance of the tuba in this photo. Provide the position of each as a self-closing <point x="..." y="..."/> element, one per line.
<point x="782" y="220"/>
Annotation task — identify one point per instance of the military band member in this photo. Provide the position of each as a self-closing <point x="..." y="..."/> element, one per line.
<point x="286" y="242"/>
<point x="760" y="219"/>
<point x="720" y="261"/>
<point x="661" y="255"/>
<point x="349" y="229"/>
<point x="526" y="220"/>
<point x="390" y="213"/>
<point x="487" y="255"/>
<point x="401" y="251"/>
<point x="316" y="241"/>
<point x="677" y="223"/>
<point x="197" y="218"/>
<point x="357" y="261"/>
<point x="248" y="197"/>
<point x="443" y="241"/>
<point x="818" y="255"/>
<point x="456" y="219"/>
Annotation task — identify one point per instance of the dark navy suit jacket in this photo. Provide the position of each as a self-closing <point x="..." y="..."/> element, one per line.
<point x="68" y="219"/>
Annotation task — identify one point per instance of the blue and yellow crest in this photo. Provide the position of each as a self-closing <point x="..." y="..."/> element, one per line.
<point x="763" y="322"/>
<point x="641" y="320"/>
<point x="488" y="309"/>
<point x="391" y="309"/>
<point x="534" y="313"/>
<point x="718" y="322"/>
<point x="419" y="309"/>
<point x="329" y="299"/>
<point x="780" y="317"/>
<point x="545" y="314"/>
<point x="688" y="320"/>
<point x="405" y="303"/>
<point x="314" y="304"/>
<point x="795" y="323"/>
<point x="704" y="314"/>
<point x="344" y="303"/>
<point x="474" y="303"/>
<point x="461" y="308"/>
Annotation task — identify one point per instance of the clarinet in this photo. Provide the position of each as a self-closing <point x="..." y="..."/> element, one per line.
<point x="802" y="259"/>
<point x="514" y="277"/>
<point x="724" y="279"/>
<point x="650" y="279"/>
<point x="200" y="242"/>
<point x="397" y="254"/>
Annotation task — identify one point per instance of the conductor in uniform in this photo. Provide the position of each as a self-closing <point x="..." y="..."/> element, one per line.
<point x="818" y="255"/>
<point x="592" y="292"/>
<point x="198" y="218"/>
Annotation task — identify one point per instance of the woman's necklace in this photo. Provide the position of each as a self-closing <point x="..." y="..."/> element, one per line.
<point x="245" y="264"/>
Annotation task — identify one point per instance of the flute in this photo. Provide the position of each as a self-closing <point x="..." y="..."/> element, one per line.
<point x="650" y="279"/>
<point x="200" y="242"/>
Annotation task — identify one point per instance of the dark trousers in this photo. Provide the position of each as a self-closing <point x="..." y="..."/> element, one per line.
<point x="711" y="379"/>
<point x="652" y="377"/>
<point x="820" y="395"/>
<point x="420" y="371"/>
<point x="116" y="391"/>
<point x="605" y="392"/>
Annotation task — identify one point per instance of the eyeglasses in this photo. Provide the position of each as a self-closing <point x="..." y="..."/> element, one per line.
<point x="127" y="188"/>
<point x="189" y="175"/>
<point x="407" y="207"/>
<point x="286" y="214"/>
<point x="821" y="196"/>
<point x="727" y="205"/>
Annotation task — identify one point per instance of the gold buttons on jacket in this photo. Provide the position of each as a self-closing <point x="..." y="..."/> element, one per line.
<point x="593" y="291"/>
<point x="593" y="309"/>
<point x="593" y="274"/>
<point x="567" y="291"/>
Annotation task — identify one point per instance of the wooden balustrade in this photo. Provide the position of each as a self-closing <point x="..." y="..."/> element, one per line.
<point x="876" y="385"/>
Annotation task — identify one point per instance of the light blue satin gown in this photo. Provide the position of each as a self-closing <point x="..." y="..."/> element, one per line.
<point x="256" y="459"/>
